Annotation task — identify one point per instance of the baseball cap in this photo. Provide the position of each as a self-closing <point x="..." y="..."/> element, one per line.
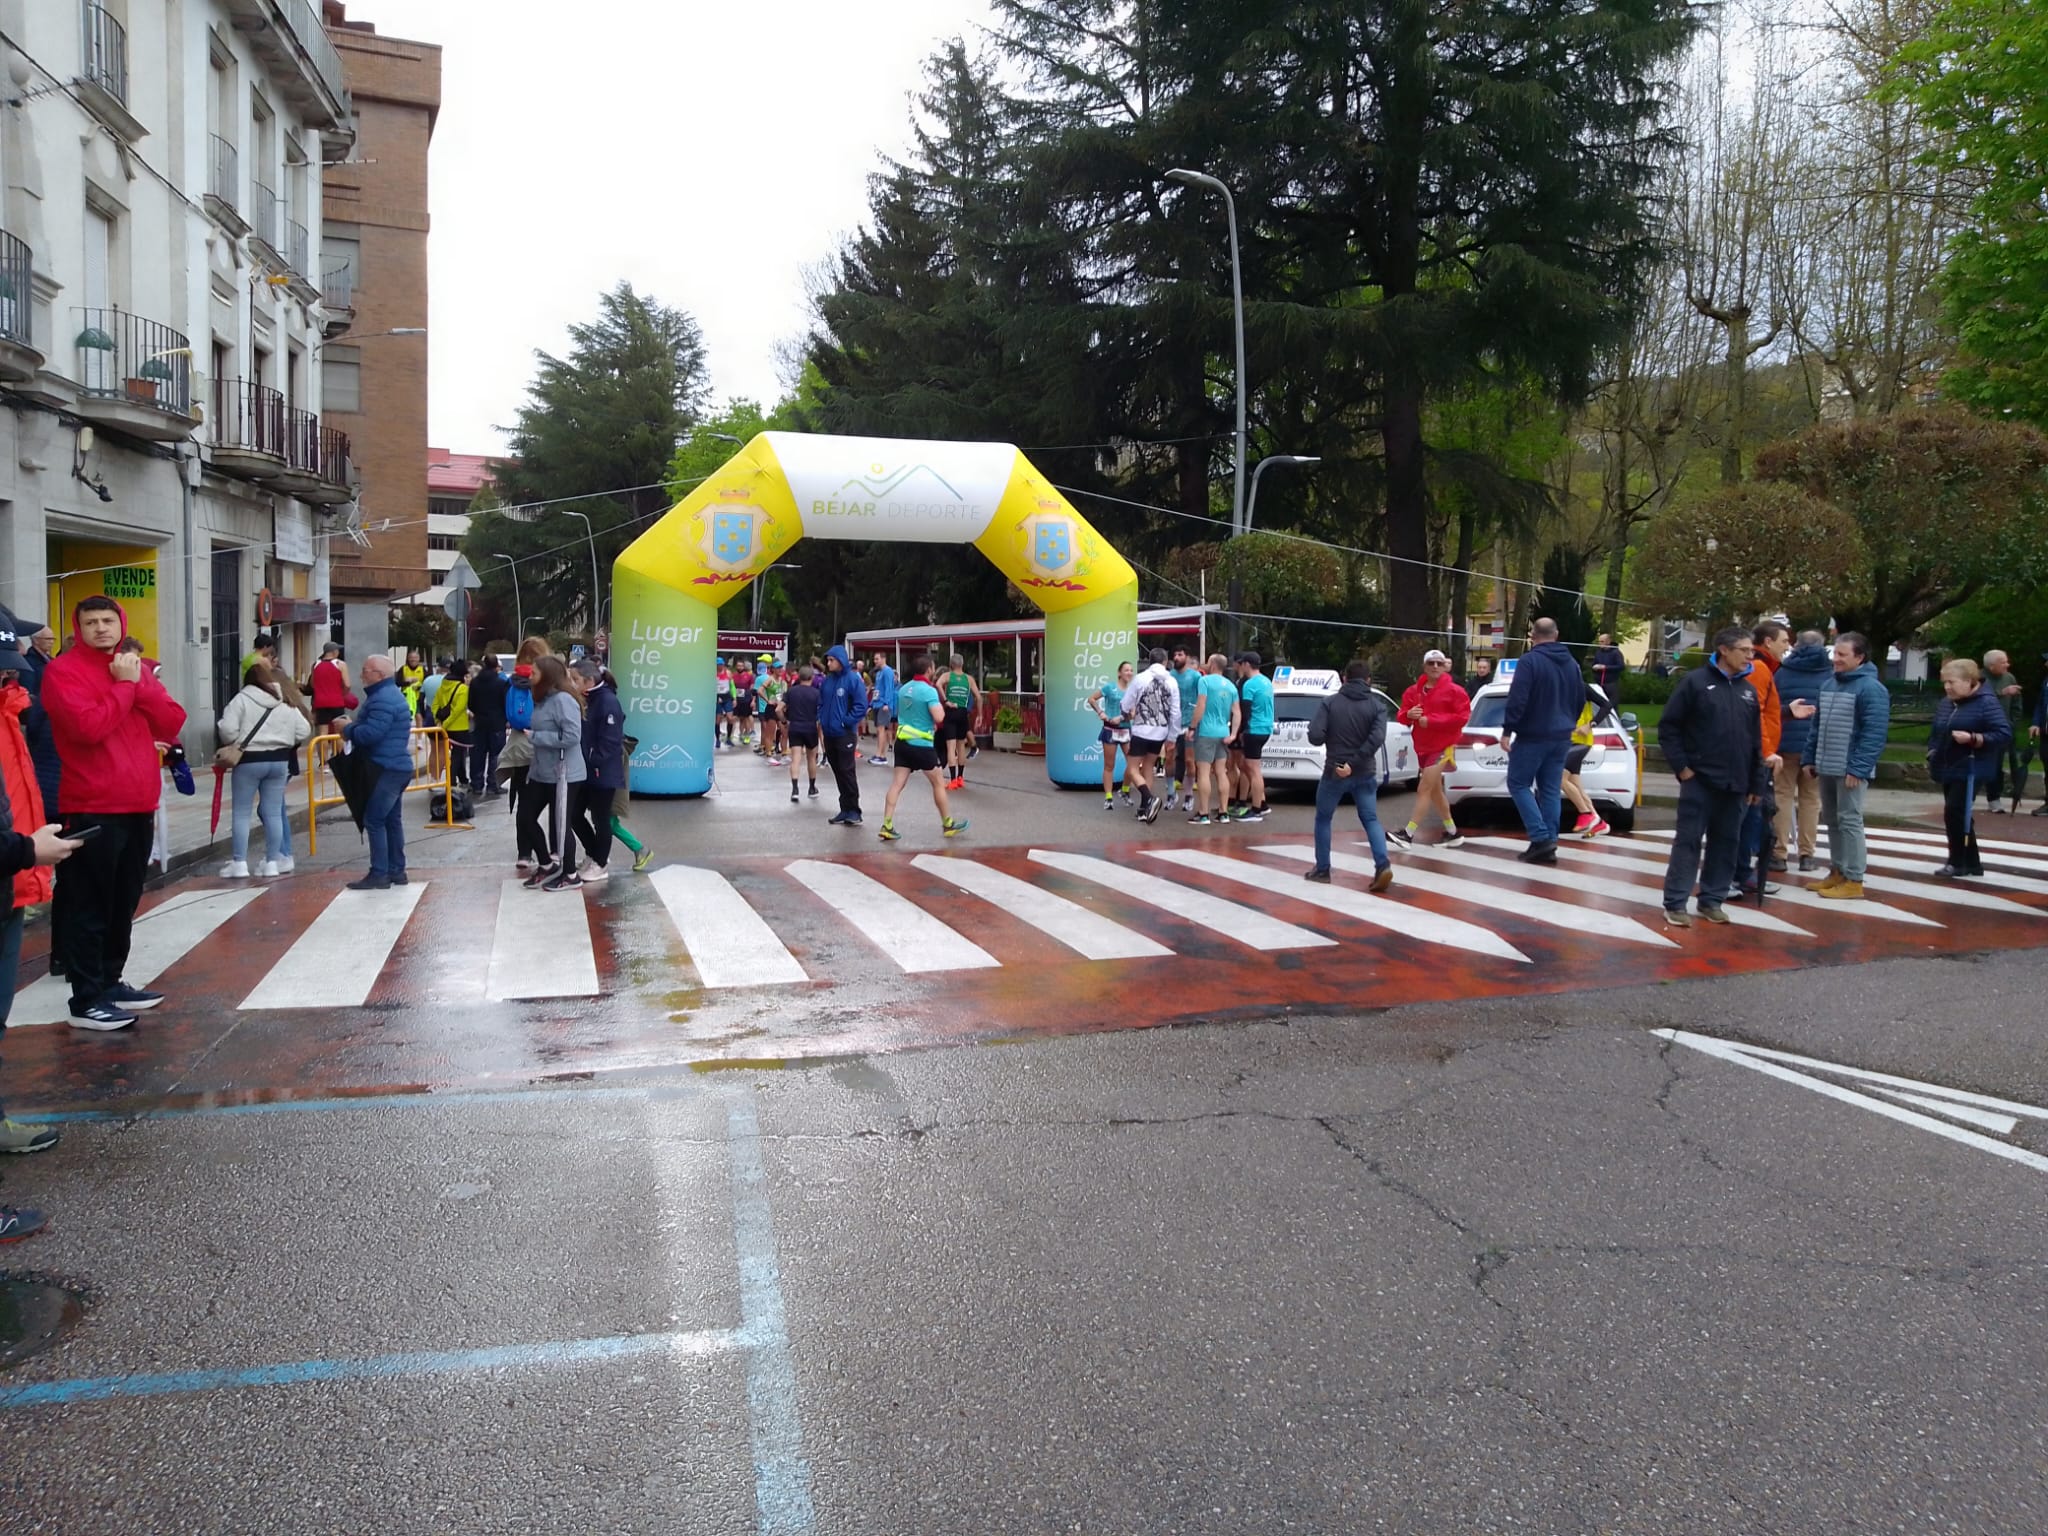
<point x="1249" y="658"/>
<point x="11" y="631"/>
<point x="1436" y="656"/>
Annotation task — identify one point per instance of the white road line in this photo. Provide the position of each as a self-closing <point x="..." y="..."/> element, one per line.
<point x="1960" y="894"/>
<point x="1994" y="879"/>
<point x="1591" y="922"/>
<point x="1378" y="911"/>
<point x="162" y="936"/>
<point x="730" y="943"/>
<point x="1086" y="933"/>
<point x="899" y="928"/>
<point x="542" y="946"/>
<point x="1229" y="919"/>
<point x="339" y="957"/>
<point x="1770" y="1064"/>
<point x="1790" y="893"/>
<point x="1593" y="885"/>
<point x="1914" y="835"/>
<point x="1983" y="1119"/>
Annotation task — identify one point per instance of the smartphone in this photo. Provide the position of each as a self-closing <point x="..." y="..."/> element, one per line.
<point x="86" y="834"/>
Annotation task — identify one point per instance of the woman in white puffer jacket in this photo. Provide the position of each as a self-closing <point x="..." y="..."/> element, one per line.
<point x="270" y="733"/>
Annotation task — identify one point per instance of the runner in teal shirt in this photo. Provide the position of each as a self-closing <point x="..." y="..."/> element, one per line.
<point x="1108" y="704"/>
<point x="1257" y="691"/>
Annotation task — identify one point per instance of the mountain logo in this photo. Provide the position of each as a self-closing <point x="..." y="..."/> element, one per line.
<point x="880" y="481"/>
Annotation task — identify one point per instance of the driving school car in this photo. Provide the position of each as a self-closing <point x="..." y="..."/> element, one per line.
<point x="1611" y="774"/>
<point x="1298" y="692"/>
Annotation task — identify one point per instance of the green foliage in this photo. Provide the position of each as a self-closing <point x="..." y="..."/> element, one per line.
<point x="1979" y="75"/>
<point x="2009" y="619"/>
<point x="1776" y="550"/>
<point x="605" y="418"/>
<point x="1009" y="719"/>
<point x="1948" y="505"/>
<point x="426" y="630"/>
<point x="1282" y="575"/>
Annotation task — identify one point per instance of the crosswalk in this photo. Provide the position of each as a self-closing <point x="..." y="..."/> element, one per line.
<point x="301" y="945"/>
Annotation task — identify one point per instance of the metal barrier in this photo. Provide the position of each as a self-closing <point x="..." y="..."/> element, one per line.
<point x="438" y="772"/>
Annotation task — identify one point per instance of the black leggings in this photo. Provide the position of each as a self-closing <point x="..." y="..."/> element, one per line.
<point x="1962" y="845"/>
<point x="533" y="800"/>
<point x="594" y="823"/>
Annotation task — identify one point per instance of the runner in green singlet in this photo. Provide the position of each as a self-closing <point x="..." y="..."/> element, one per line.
<point x="963" y="699"/>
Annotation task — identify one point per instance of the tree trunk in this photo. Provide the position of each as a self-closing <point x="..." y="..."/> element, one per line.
<point x="1461" y="588"/>
<point x="1407" y="513"/>
<point x="1617" y="565"/>
<point x="1736" y="323"/>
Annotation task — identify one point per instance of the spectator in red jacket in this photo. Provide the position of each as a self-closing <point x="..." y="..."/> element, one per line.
<point x="1435" y="710"/>
<point x="108" y="713"/>
<point x="331" y="696"/>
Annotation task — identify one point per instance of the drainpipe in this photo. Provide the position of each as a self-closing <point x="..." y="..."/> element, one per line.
<point x="188" y="469"/>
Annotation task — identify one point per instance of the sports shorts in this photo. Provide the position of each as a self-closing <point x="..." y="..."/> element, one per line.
<point x="1575" y="759"/>
<point x="1211" y="749"/>
<point x="803" y="735"/>
<point x="881" y="714"/>
<point x="917" y="756"/>
<point x="725" y="703"/>
<point x="1112" y="735"/>
<point x="1254" y="747"/>
<point x="1144" y="747"/>
<point x="959" y="722"/>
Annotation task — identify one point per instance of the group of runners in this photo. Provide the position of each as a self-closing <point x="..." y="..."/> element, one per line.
<point x="1198" y="728"/>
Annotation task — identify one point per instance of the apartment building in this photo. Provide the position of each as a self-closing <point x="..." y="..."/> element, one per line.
<point x="454" y="480"/>
<point x="374" y="235"/>
<point x="161" y="319"/>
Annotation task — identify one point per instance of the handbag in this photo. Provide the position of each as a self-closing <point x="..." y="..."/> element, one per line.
<point x="227" y="755"/>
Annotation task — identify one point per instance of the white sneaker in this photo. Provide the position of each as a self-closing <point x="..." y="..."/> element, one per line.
<point x="268" y="870"/>
<point x="595" y="873"/>
<point x="285" y="865"/>
<point x="235" y="869"/>
<point x="524" y="866"/>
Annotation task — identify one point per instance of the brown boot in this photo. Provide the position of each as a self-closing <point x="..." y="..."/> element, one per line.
<point x="1843" y="890"/>
<point x="1832" y="878"/>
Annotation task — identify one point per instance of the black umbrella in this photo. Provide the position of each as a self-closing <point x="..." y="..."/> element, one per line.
<point x="352" y="778"/>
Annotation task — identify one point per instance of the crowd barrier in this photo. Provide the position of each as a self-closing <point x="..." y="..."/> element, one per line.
<point x="431" y="771"/>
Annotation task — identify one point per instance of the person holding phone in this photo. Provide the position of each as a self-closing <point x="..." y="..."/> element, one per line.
<point x="108" y="713"/>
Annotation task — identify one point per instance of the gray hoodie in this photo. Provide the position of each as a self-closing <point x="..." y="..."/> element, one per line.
<point x="557" y="740"/>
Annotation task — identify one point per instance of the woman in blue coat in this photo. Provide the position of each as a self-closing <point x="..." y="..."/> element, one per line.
<point x="604" y="758"/>
<point x="1966" y="745"/>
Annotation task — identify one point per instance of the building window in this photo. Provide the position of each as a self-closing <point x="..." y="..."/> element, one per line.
<point x="447" y="541"/>
<point x="341" y="379"/>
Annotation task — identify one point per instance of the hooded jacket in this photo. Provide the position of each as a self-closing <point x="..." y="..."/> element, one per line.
<point x="1546" y="695"/>
<point x="487" y="697"/>
<point x="1801" y="676"/>
<point x="558" y="741"/>
<point x="1983" y="713"/>
<point x="845" y="697"/>
<point x="383" y="727"/>
<point x="604" y="737"/>
<point x="1445" y="709"/>
<point x="1849" y="732"/>
<point x="1350" y="727"/>
<point x="106" y="732"/>
<point x="1712" y="725"/>
<point x="21" y="803"/>
<point x="280" y="733"/>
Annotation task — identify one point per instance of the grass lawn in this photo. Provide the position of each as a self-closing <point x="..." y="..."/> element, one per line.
<point x="1907" y="742"/>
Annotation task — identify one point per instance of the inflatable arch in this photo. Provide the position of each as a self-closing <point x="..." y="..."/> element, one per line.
<point x="668" y="585"/>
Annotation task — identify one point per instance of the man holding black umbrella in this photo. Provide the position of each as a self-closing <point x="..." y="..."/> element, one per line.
<point x="382" y="733"/>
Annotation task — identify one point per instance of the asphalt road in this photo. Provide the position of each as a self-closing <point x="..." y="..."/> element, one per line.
<point x="1473" y="1265"/>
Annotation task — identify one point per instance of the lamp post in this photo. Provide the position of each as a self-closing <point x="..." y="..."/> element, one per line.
<point x="518" y="607"/>
<point x="1299" y="460"/>
<point x="780" y="565"/>
<point x="596" y="617"/>
<point x="1202" y="179"/>
<point x="350" y="338"/>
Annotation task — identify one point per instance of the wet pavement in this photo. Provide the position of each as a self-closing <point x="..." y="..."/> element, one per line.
<point x="571" y="1213"/>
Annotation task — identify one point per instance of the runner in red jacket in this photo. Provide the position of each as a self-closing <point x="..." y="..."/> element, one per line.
<point x="1435" y="709"/>
<point x="107" y="713"/>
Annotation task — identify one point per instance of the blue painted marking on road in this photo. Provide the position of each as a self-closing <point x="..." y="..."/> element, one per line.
<point x="329" y="1106"/>
<point x="449" y="1362"/>
<point x="782" y="1478"/>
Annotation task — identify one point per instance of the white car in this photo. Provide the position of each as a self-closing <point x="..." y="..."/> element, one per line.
<point x="1298" y="692"/>
<point x="1611" y="774"/>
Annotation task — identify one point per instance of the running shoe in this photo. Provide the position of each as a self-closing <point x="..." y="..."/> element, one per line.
<point x="957" y="784"/>
<point x="542" y="873"/>
<point x="1151" y="812"/>
<point x="102" y="1016"/>
<point x="954" y="826"/>
<point x="814" y="791"/>
<point x="1599" y="828"/>
<point x="1109" y="802"/>
<point x="1199" y="821"/>
<point x="134" y="999"/>
<point x="879" y="761"/>
<point x="1256" y="813"/>
<point x="642" y="859"/>
<point x="565" y="882"/>
<point x="1402" y="836"/>
<point x="596" y="873"/>
<point x="16" y="1137"/>
<point x="793" y="795"/>
<point x="1452" y="838"/>
<point x="1586" y="819"/>
<point x="889" y="833"/>
<point x="17" y="1222"/>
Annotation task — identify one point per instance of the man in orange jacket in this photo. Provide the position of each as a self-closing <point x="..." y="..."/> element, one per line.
<point x="1772" y="640"/>
<point x="108" y="712"/>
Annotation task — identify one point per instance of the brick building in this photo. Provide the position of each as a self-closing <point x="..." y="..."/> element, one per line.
<point x="375" y="378"/>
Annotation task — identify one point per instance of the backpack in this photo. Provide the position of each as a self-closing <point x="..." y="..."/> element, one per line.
<point x="437" y="805"/>
<point x="1155" y="705"/>
<point x="519" y="708"/>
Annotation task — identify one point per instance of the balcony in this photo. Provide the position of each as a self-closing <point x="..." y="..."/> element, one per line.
<point x="298" y="257"/>
<point x="19" y="360"/>
<point x="248" y="430"/>
<point x="292" y="39"/>
<point x="337" y="299"/>
<point x="103" y="81"/>
<point x="337" y="470"/>
<point x="224" y="185"/>
<point x="266" y="222"/>
<point x="134" y="375"/>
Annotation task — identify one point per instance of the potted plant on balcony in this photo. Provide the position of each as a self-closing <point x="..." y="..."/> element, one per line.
<point x="153" y="372"/>
<point x="93" y="339"/>
<point x="1009" y="732"/>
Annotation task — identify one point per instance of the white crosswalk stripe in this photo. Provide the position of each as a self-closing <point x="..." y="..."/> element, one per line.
<point x="918" y="942"/>
<point x="1915" y="835"/>
<point x="1087" y="933"/>
<point x="162" y="936"/>
<point x="1925" y="850"/>
<point x="1790" y="893"/>
<point x="339" y="957"/>
<point x="1379" y="911"/>
<point x="542" y="946"/>
<point x="1232" y="920"/>
<point x="730" y="944"/>
<point x="1499" y="862"/>
<point x="1591" y="921"/>
<point x="1968" y="894"/>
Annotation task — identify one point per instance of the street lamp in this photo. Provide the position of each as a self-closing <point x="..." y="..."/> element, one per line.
<point x="1201" y="179"/>
<point x="726" y="437"/>
<point x="1300" y="460"/>
<point x="596" y="618"/>
<point x="518" y="606"/>
<point x="351" y="337"/>
<point x="780" y="565"/>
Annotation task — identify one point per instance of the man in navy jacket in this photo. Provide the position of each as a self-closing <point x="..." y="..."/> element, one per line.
<point x="1712" y="738"/>
<point x="1543" y="706"/>
<point x="842" y="706"/>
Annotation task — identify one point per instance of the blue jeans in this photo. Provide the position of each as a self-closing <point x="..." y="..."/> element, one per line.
<point x="1364" y="790"/>
<point x="1842" y="809"/>
<point x="259" y="790"/>
<point x="1536" y="785"/>
<point x="384" y="820"/>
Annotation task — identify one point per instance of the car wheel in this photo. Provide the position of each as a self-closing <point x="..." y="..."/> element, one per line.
<point x="1620" y="819"/>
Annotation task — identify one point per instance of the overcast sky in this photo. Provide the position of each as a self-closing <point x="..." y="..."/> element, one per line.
<point x="707" y="153"/>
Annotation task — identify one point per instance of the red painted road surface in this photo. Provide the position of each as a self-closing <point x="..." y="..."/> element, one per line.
<point x="288" y="988"/>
